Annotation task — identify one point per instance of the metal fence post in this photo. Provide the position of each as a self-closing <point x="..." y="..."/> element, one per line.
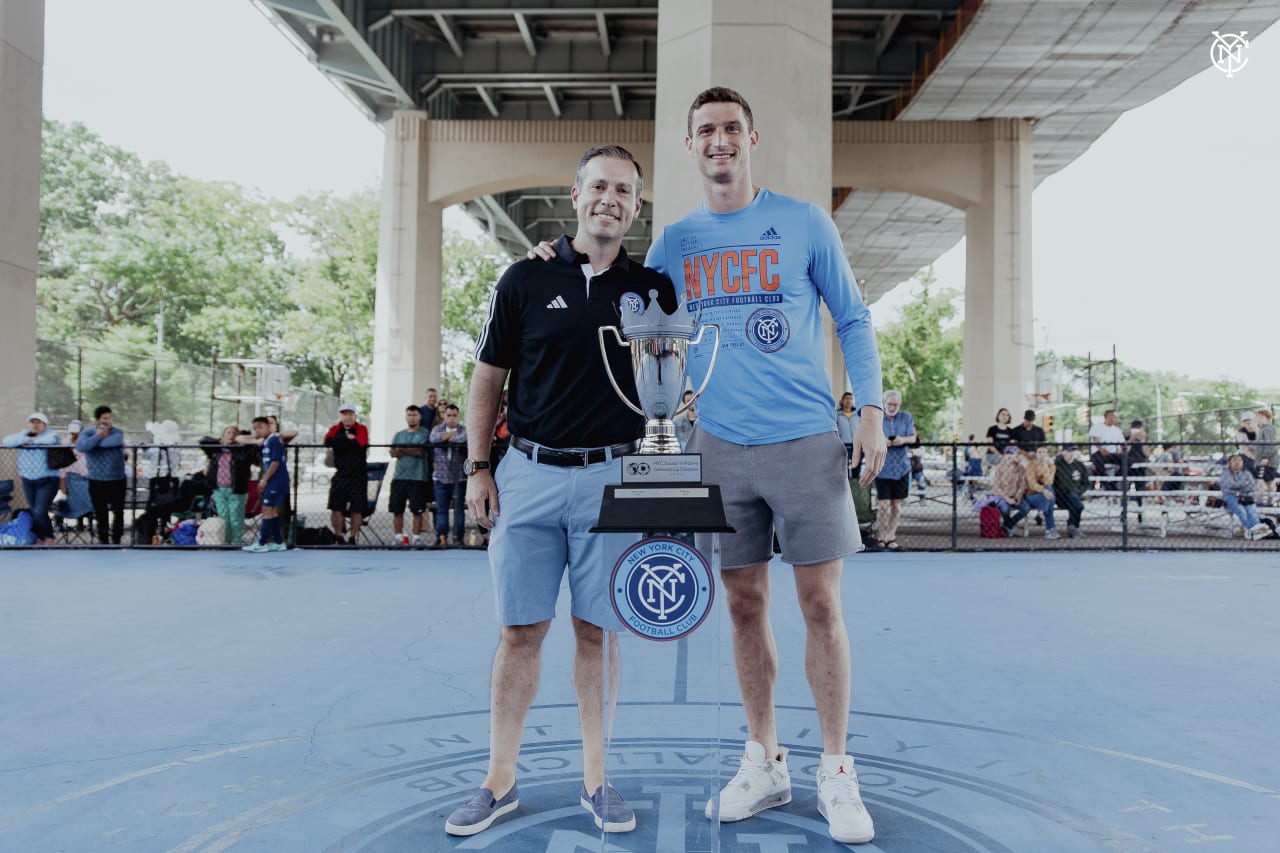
<point x="1124" y="498"/>
<point x="955" y="492"/>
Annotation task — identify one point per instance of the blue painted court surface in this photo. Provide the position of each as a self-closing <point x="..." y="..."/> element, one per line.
<point x="324" y="701"/>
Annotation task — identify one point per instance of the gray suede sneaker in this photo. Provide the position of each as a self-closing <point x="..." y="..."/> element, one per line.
<point x="611" y="812"/>
<point x="478" y="813"/>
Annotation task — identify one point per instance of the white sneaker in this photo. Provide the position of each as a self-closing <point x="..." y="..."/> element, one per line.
<point x="761" y="783"/>
<point x="415" y="539"/>
<point x="255" y="548"/>
<point x="1051" y="534"/>
<point x="840" y="802"/>
<point x="1259" y="530"/>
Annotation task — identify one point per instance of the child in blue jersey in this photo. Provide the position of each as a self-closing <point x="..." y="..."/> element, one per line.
<point x="273" y="487"/>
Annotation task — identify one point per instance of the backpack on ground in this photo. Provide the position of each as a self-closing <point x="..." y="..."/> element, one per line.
<point x="990" y="522"/>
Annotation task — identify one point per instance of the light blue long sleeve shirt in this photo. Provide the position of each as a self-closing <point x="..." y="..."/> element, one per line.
<point x="761" y="274"/>
<point x="33" y="459"/>
<point x="104" y="458"/>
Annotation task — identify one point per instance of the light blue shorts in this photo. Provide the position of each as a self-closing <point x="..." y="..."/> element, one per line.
<point x="546" y="513"/>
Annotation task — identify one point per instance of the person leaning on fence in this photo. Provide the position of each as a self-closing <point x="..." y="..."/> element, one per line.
<point x="1238" y="487"/>
<point x="227" y="472"/>
<point x="348" y="490"/>
<point x="103" y="447"/>
<point x="1070" y="482"/>
<point x="39" y="479"/>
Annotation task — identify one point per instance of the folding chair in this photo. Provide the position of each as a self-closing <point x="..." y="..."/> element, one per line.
<point x="375" y="473"/>
<point x="77" y="507"/>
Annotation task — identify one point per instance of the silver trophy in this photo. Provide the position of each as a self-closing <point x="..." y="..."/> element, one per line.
<point x="659" y="348"/>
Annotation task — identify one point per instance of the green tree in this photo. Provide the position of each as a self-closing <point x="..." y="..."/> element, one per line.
<point x="920" y="355"/>
<point x="470" y="273"/>
<point x="327" y="335"/>
<point x="124" y="242"/>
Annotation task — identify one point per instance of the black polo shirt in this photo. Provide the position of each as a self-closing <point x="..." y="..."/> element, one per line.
<point x="542" y="328"/>
<point x="1027" y="438"/>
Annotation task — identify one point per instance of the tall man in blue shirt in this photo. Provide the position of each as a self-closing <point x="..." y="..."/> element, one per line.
<point x="760" y="264"/>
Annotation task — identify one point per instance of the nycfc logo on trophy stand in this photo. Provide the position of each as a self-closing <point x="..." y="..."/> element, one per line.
<point x="662" y="589"/>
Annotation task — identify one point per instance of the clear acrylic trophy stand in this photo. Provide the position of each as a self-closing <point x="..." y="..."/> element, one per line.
<point x="662" y="727"/>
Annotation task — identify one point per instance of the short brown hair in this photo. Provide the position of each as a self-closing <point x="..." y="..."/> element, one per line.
<point x="720" y="95"/>
<point x="617" y="152"/>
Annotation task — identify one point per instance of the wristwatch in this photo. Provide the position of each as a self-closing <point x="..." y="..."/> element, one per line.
<point x="470" y="466"/>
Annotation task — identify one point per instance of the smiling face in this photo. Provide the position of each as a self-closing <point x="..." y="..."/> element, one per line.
<point x="607" y="198"/>
<point x="721" y="142"/>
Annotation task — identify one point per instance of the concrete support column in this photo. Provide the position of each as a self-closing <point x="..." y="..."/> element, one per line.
<point x="778" y="56"/>
<point x="21" y="71"/>
<point x="408" y="308"/>
<point x="999" y="351"/>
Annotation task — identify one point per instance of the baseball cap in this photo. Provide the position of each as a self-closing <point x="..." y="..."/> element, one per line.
<point x="1029" y="415"/>
<point x="347" y="407"/>
<point x="1245" y="418"/>
<point x="75" y="426"/>
<point x="1068" y="446"/>
<point x="1011" y="448"/>
<point x="38" y="416"/>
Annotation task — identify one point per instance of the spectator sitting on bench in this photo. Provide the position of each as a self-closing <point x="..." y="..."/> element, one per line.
<point x="1070" y="482"/>
<point x="1105" y="442"/>
<point x="1040" y="476"/>
<point x="1009" y="486"/>
<point x="1238" y="486"/>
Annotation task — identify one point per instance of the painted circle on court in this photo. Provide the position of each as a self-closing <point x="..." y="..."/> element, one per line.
<point x="389" y="786"/>
<point x="768" y="330"/>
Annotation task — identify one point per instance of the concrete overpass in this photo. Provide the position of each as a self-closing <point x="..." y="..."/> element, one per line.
<point x="916" y="121"/>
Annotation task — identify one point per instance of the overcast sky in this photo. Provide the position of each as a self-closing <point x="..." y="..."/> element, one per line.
<point x="1160" y="239"/>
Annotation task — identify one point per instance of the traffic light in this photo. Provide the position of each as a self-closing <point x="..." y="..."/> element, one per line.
<point x="1048" y="423"/>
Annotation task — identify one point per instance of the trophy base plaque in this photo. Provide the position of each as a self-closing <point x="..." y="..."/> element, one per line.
<point x="661" y="494"/>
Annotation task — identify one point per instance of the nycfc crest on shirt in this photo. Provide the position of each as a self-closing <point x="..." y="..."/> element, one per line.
<point x="631" y="301"/>
<point x="662" y="589"/>
<point x="768" y="330"/>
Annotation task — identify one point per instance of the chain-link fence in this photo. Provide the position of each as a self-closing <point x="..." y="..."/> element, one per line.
<point x="1136" y="498"/>
<point x="170" y="499"/>
<point x="72" y="380"/>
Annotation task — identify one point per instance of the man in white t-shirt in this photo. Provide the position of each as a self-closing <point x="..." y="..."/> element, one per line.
<point x="1106" y="441"/>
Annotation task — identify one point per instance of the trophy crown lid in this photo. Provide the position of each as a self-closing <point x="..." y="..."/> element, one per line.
<point x="653" y="322"/>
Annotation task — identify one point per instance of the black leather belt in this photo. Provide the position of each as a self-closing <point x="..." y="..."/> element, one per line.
<point x="571" y="458"/>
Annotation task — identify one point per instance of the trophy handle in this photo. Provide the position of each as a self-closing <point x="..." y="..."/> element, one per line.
<point x="609" y="370"/>
<point x="684" y="407"/>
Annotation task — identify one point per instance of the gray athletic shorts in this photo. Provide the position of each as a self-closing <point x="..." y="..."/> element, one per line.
<point x="800" y="487"/>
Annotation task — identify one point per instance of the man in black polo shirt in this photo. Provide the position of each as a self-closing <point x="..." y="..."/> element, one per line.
<point x="567" y="426"/>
